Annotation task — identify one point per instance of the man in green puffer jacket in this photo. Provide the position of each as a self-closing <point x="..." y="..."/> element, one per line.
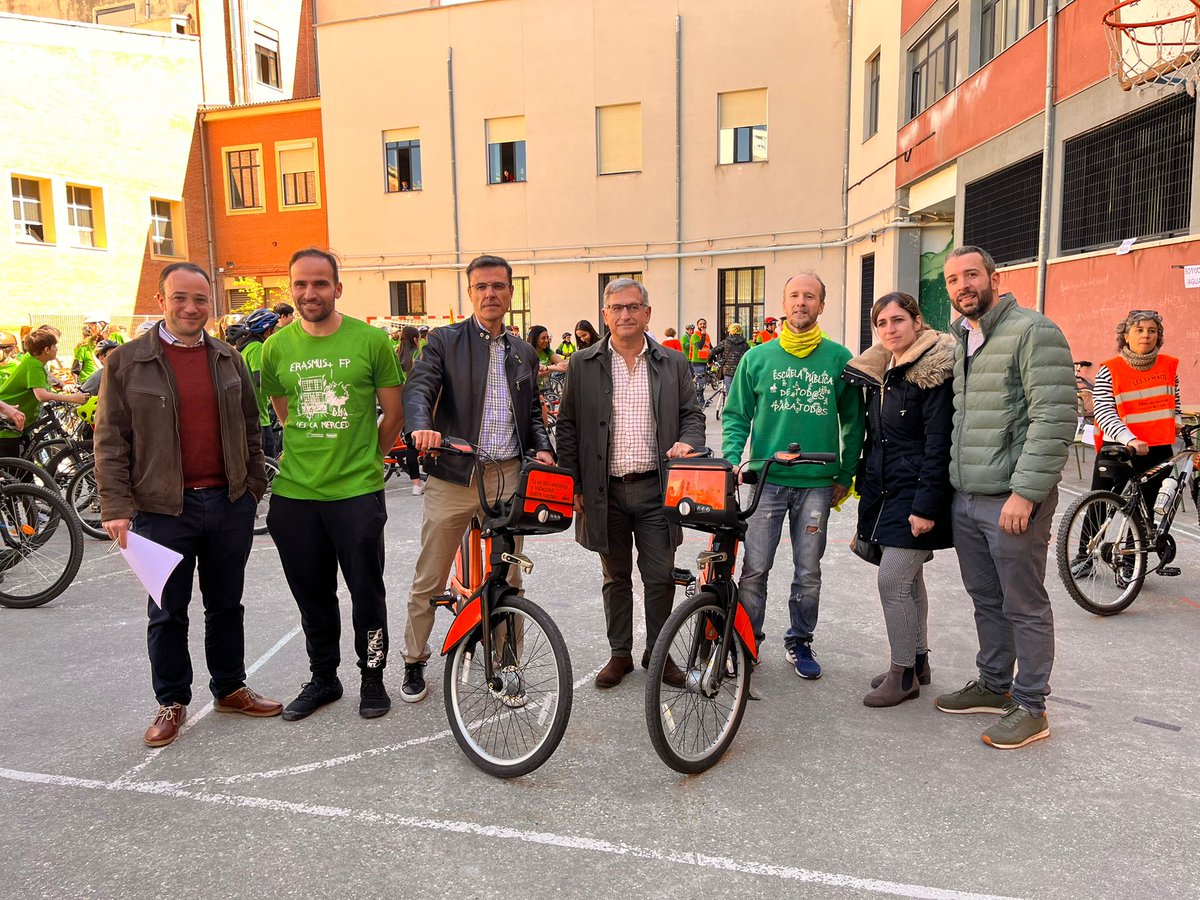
<point x="1014" y="420"/>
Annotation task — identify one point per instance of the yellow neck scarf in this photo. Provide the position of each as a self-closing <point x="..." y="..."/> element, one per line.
<point x="800" y="345"/>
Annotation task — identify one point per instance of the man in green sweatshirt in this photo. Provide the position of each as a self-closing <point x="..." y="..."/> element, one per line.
<point x="790" y="391"/>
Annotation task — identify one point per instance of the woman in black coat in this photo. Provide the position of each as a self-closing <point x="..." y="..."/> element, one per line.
<point x="903" y="478"/>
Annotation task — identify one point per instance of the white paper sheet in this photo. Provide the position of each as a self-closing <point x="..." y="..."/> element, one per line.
<point x="152" y="563"/>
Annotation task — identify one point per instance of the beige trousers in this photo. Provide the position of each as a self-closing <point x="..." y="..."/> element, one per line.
<point x="447" y="513"/>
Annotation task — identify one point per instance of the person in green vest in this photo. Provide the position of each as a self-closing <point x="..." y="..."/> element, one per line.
<point x="95" y="329"/>
<point x="252" y="333"/>
<point x="697" y="345"/>
<point x="567" y="347"/>
<point x="28" y="387"/>
<point x="8" y="355"/>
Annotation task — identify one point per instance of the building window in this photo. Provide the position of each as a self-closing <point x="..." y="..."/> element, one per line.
<point x="298" y="173"/>
<point x="165" y="226"/>
<point x="408" y="298"/>
<point x="1130" y="178"/>
<point x="871" y="100"/>
<point x="605" y="278"/>
<point x="741" y="298"/>
<point x="519" y="313"/>
<point x="742" y="136"/>
<point x="1002" y="211"/>
<point x="243" y="168"/>
<point x="402" y="160"/>
<point x="83" y="215"/>
<point x="619" y="138"/>
<point x="123" y="14"/>
<point x="1004" y="22"/>
<point x="866" y="301"/>
<point x="933" y="65"/>
<point x="506" y="149"/>
<point x="33" y="219"/>
<point x="266" y="55"/>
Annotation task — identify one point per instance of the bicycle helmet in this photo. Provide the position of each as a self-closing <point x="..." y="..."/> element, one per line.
<point x="769" y="320"/>
<point x="96" y="318"/>
<point x="735" y="328"/>
<point x="260" y="321"/>
<point x="8" y="339"/>
<point x="235" y="332"/>
<point x="105" y="346"/>
<point x="87" y="411"/>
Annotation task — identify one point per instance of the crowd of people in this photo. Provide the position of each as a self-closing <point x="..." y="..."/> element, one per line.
<point x="951" y="440"/>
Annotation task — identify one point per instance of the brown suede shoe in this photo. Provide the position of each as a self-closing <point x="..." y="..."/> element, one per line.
<point x="249" y="702"/>
<point x="672" y="674"/>
<point x="165" y="727"/>
<point x="614" y="670"/>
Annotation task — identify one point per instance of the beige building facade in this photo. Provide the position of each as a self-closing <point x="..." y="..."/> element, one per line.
<point x="698" y="145"/>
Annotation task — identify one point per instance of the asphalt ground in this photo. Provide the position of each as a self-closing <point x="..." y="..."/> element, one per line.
<point x="818" y="797"/>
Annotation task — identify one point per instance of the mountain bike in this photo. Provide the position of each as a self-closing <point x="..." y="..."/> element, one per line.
<point x="715" y="382"/>
<point x="41" y="544"/>
<point x="709" y="636"/>
<point x="507" y="681"/>
<point x="1105" y="539"/>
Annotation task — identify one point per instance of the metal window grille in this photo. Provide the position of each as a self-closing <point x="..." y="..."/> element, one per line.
<point x="243" y="179"/>
<point x="741" y="298"/>
<point x="408" y="298"/>
<point x="403" y="166"/>
<point x="866" y="300"/>
<point x="933" y="65"/>
<point x="519" y="312"/>
<point x="299" y="188"/>
<point x="1130" y="178"/>
<point x="1001" y="211"/>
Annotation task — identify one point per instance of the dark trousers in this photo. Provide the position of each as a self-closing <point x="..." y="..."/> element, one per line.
<point x="635" y="517"/>
<point x="315" y="538"/>
<point x="215" y="536"/>
<point x="271" y="443"/>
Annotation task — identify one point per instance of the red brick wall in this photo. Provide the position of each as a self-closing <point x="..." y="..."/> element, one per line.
<point x="305" y="83"/>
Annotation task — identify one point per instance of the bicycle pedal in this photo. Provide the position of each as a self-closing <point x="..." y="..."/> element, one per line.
<point x="1168" y="571"/>
<point x="682" y="576"/>
<point x="445" y="600"/>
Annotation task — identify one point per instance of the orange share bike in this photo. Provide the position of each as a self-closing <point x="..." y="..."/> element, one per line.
<point x="507" y="678"/>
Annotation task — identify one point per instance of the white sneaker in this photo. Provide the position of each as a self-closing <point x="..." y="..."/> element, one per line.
<point x="418" y="488"/>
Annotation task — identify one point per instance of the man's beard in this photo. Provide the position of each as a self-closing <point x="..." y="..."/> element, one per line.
<point x="986" y="297"/>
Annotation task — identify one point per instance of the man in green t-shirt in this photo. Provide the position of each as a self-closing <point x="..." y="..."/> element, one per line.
<point x="791" y="390"/>
<point x="28" y="387"/>
<point x="324" y="374"/>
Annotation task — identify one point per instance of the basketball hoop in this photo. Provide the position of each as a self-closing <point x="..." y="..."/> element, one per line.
<point x="1154" y="43"/>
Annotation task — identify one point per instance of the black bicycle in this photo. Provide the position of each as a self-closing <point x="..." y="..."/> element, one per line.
<point x="508" y="685"/>
<point x="41" y="544"/>
<point x="709" y="636"/>
<point x="1105" y="539"/>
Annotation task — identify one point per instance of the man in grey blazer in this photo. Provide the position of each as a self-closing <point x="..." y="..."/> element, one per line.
<point x="628" y="403"/>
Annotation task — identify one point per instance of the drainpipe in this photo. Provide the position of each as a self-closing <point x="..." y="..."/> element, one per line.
<point x="218" y="293"/>
<point x="1047" y="158"/>
<point x="846" y="163"/>
<point x="679" y="168"/>
<point x="454" y="176"/>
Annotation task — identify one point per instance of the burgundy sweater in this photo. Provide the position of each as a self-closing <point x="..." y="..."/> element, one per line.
<point x="199" y="417"/>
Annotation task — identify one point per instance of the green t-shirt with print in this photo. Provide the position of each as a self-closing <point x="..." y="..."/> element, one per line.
<point x="18" y="390"/>
<point x="252" y="354"/>
<point x="85" y="355"/>
<point x="331" y="436"/>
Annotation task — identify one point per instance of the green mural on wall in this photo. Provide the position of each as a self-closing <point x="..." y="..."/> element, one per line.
<point x="933" y="297"/>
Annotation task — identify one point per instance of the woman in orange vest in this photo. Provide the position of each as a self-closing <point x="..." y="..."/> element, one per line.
<point x="1137" y="403"/>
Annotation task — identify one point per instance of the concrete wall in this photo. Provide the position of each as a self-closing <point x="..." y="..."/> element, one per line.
<point x="511" y="58"/>
<point x="86" y="120"/>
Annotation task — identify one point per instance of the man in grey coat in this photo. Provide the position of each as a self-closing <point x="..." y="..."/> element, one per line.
<point x="1014" y="420"/>
<point x="628" y="403"/>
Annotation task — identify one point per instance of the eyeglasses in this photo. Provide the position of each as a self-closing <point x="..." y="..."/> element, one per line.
<point x="618" y="308"/>
<point x="496" y="286"/>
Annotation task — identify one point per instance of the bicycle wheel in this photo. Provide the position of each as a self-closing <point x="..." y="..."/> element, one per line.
<point x="83" y="497"/>
<point x="264" y="504"/>
<point x="690" y="729"/>
<point x="63" y="465"/>
<point x="1102" y="553"/>
<point x="41" y="546"/>
<point x="16" y="469"/>
<point x="512" y="726"/>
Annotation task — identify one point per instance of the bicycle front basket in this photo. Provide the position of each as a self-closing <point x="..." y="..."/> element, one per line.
<point x="701" y="493"/>
<point x="543" y="502"/>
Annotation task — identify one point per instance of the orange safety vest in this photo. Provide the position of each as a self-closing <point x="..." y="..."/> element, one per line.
<point x="1145" y="400"/>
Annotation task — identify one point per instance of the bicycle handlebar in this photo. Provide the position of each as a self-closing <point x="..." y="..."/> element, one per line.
<point x="792" y="456"/>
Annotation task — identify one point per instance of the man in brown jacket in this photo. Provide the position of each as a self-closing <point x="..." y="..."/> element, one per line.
<point x="179" y="460"/>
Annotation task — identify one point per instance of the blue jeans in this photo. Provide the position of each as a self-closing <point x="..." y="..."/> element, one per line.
<point x="698" y="375"/>
<point x="808" y="515"/>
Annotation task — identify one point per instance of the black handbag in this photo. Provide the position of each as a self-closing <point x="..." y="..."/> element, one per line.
<point x="866" y="550"/>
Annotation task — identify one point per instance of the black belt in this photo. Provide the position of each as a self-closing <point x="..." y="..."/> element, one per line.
<point x="634" y="476"/>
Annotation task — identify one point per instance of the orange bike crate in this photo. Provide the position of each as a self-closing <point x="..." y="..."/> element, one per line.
<point x="701" y="493"/>
<point x="543" y="502"/>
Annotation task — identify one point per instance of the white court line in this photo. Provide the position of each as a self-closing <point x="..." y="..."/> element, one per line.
<point x="335" y="761"/>
<point x="544" y="838"/>
<point x="191" y="722"/>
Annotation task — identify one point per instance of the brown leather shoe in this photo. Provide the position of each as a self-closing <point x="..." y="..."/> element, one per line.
<point x="612" y="673"/>
<point x="165" y="727"/>
<point x="672" y="674"/>
<point x="249" y="702"/>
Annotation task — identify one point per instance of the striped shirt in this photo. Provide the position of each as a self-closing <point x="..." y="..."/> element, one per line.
<point x="498" y="429"/>
<point x="634" y="447"/>
<point x="1104" y="405"/>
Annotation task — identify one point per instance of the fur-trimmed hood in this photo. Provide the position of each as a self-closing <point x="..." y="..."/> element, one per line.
<point x="928" y="362"/>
